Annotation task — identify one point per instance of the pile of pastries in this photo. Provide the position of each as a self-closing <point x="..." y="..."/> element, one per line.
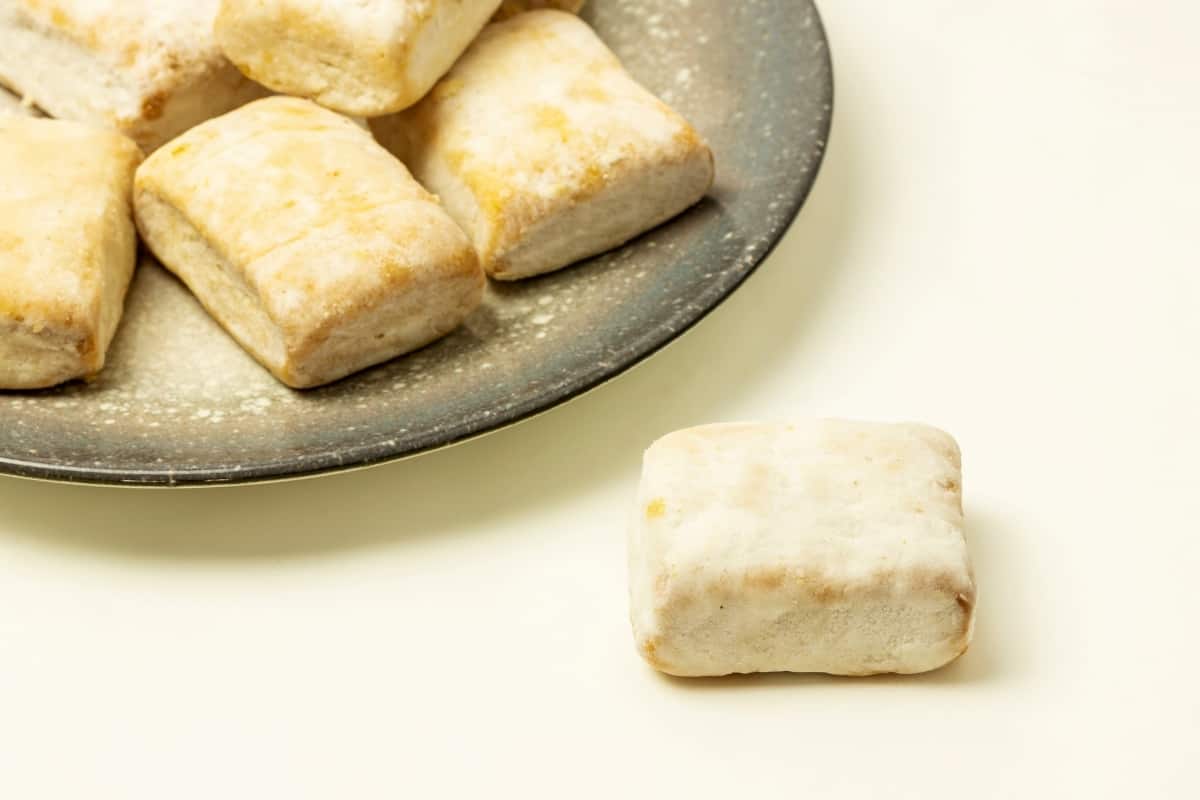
<point x="334" y="180"/>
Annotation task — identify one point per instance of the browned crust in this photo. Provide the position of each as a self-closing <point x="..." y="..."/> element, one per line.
<point x="154" y="104"/>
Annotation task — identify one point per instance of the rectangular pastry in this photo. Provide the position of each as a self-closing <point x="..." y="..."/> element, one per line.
<point x="830" y="546"/>
<point x="544" y="148"/>
<point x="306" y="240"/>
<point x="509" y="8"/>
<point x="361" y="57"/>
<point x="149" y="69"/>
<point x="67" y="247"/>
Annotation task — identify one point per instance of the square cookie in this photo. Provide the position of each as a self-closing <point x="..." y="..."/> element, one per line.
<point x="830" y="546"/>
<point x="148" y="68"/>
<point x="361" y="57"/>
<point x="306" y="240"/>
<point x="67" y="248"/>
<point x="545" y="150"/>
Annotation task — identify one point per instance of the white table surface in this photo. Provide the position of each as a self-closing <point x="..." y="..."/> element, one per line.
<point x="1003" y="243"/>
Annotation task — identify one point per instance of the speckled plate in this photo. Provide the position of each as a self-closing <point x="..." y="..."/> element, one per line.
<point x="181" y="404"/>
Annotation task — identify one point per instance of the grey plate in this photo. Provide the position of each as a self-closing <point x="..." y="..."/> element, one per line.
<point x="181" y="404"/>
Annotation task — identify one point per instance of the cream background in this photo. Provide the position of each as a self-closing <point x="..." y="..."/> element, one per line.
<point x="1003" y="243"/>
